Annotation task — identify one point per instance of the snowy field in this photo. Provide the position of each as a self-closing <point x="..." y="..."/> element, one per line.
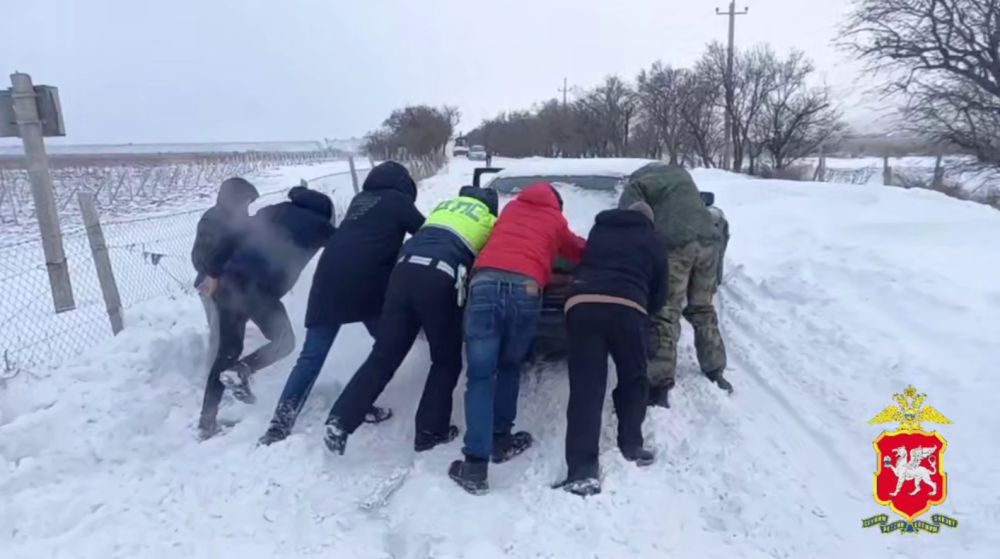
<point x="835" y="298"/>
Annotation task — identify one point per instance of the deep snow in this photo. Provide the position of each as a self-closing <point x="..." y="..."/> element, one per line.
<point x="835" y="298"/>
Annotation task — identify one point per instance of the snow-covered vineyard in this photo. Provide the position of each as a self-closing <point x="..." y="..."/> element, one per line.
<point x="835" y="298"/>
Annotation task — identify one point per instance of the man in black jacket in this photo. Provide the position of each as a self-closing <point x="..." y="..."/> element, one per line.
<point x="350" y="282"/>
<point x="426" y="292"/>
<point x="277" y="244"/>
<point x="219" y="230"/>
<point x="620" y="282"/>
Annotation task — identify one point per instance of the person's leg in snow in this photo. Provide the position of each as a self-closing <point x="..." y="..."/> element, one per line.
<point x="700" y="312"/>
<point x="627" y="344"/>
<point x="483" y="335"/>
<point x="588" y="377"/>
<point x="441" y="318"/>
<point x="270" y="316"/>
<point x="232" y="328"/>
<point x="523" y="306"/>
<point x="500" y="321"/>
<point x="300" y="382"/>
<point x="662" y="367"/>
<point x="395" y="334"/>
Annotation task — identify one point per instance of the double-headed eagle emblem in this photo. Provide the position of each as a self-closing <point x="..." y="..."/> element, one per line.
<point x="909" y="411"/>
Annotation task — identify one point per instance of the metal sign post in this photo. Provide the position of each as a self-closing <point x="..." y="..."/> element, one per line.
<point x="32" y="113"/>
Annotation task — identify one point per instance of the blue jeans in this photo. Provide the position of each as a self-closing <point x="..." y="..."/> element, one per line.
<point x="300" y="381"/>
<point x="500" y="322"/>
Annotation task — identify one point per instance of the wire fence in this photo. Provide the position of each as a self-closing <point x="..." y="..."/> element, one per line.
<point x="150" y="258"/>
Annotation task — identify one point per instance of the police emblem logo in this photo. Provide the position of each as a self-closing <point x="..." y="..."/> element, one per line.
<point x="909" y="474"/>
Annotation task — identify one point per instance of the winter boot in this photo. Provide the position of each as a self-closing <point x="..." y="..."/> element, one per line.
<point x="659" y="396"/>
<point x="425" y="440"/>
<point x="378" y="415"/>
<point x="639" y="455"/>
<point x="207" y="428"/>
<point x="470" y="474"/>
<point x="717" y="378"/>
<point x="336" y="437"/>
<point x="281" y="425"/>
<point x="507" y="445"/>
<point x="584" y="487"/>
<point x="237" y="379"/>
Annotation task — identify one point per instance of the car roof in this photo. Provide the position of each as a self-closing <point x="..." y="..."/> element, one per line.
<point x="601" y="167"/>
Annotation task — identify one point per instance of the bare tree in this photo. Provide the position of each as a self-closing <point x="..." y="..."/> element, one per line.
<point x="420" y="130"/>
<point x="796" y="118"/>
<point x="701" y="105"/>
<point x="658" y="92"/>
<point x="943" y="57"/>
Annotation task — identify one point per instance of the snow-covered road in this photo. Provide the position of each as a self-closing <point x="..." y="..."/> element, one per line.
<point x="835" y="298"/>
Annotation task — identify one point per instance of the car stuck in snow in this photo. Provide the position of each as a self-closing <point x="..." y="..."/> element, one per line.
<point x="602" y="176"/>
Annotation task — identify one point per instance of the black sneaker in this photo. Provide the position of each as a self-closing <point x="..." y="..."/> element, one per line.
<point x="336" y="438"/>
<point x="378" y="415"/>
<point x="281" y="424"/>
<point x="659" y="396"/>
<point x="717" y="378"/>
<point x="640" y="456"/>
<point x="275" y="433"/>
<point x="586" y="487"/>
<point x="470" y="475"/>
<point x="507" y="445"/>
<point x="237" y="379"/>
<point x="426" y="440"/>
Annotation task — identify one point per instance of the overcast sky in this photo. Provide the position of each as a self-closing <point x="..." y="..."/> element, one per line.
<point x="220" y="70"/>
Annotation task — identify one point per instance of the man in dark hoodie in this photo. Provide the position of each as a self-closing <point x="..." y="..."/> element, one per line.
<point x="687" y="229"/>
<point x="619" y="283"/>
<point x="219" y="230"/>
<point x="425" y="291"/>
<point x="350" y="282"/>
<point x="277" y="244"/>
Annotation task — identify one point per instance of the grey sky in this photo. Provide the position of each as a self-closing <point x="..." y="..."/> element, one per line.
<point x="216" y="70"/>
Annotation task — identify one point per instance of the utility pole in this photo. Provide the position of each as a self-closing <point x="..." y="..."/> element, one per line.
<point x="732" y="13"/>
<point x="564" y="89"/>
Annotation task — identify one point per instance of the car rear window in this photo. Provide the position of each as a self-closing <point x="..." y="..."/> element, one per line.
<point x="513" y="185"/>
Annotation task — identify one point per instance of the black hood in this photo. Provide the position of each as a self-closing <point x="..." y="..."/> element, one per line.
<point x="391" y="176"/>
<point x="236" y="192"/>
<point x="484" y="195"/>
<point x="311" y="200"/>
<point x="622" y="218"/>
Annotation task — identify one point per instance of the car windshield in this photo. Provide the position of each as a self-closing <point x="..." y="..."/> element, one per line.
<point x="478" y="148"/>
<point x="512" y="185"/>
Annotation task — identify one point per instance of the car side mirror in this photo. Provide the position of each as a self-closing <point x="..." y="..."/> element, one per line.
<point x="708" y="198"/>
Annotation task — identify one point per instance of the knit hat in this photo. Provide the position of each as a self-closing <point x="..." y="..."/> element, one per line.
<point x="642" y="208"/>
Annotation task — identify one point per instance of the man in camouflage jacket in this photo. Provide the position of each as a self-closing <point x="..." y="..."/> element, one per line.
<point x="689" y="233"/>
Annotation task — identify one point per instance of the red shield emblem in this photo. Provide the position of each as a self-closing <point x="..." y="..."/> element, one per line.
<point x="909" y="477"/>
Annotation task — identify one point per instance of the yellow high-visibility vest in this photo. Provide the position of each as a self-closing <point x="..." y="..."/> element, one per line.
<point x="466" y="217"/>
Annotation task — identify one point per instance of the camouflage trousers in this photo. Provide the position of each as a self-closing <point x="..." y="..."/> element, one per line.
<point x="693" y="270"/>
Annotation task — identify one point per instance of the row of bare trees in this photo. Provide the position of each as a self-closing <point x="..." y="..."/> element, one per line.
<point x="942" y="59"/>
<point x="678" y="114"/>
<point x="413" y="132"/>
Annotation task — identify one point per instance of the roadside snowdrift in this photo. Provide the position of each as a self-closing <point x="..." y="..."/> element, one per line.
<point x="835" y="298"/>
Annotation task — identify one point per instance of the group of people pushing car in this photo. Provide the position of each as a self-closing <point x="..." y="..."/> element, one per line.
<point x="468" y="275"/>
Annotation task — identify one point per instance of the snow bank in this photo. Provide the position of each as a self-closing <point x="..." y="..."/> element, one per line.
<point x="835" y="298"/>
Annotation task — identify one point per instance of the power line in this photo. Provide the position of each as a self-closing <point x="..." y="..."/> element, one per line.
<point x="731" y="13"/>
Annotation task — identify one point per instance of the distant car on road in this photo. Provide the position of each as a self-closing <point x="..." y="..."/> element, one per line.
<point x="601" y="175"/>
<point x="477" y="153"/>
<point x="459" y="151"/>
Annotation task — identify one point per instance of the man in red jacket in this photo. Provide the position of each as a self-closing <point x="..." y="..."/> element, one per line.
<point x="505" y="297"/>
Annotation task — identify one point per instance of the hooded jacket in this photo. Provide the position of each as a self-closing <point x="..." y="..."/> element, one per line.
<point x="680" y="214"/>
<point x="353" y="271"/>
<point x="530" y="234"/>
<point x="221" y="227"/>
<point x="624" y="258"/>
<point x="280" y="240"/>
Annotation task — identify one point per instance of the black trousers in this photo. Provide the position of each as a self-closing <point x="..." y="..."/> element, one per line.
<point x="417" y="297"/>
<point x="236" y="305"/>
<point x="595" y="331"/>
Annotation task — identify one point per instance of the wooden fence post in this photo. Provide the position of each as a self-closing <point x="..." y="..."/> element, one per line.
<point x="31" y="132"/>
<point x="354" y="173"/>
<point x="938" y="183"/>
<point x="821" y="167"/>
<point x="99" y="250"/>
<point x="886" y="172"/>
